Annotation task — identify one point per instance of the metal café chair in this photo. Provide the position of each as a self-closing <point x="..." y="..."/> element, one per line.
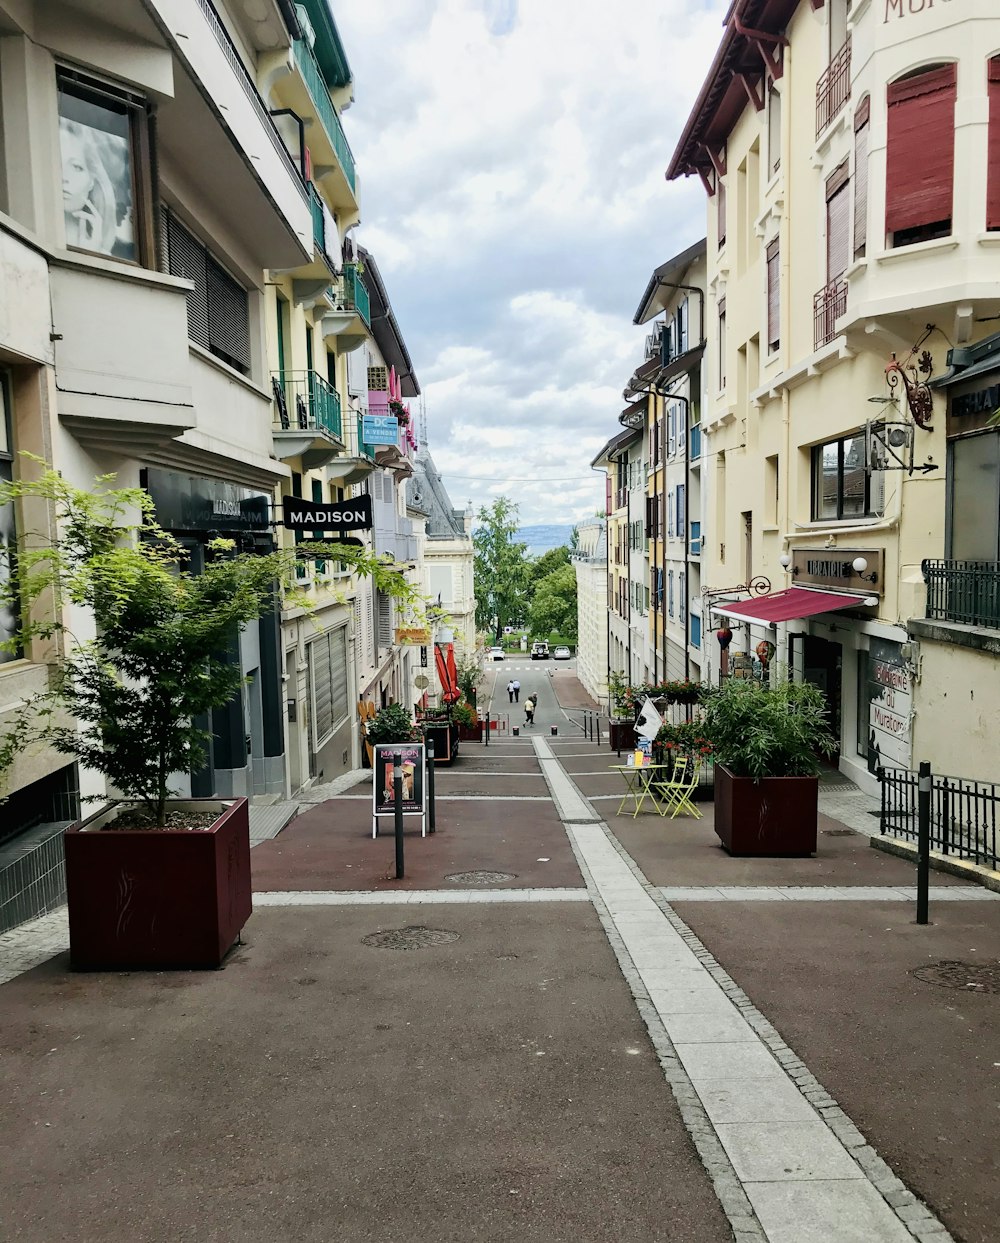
<point x="675" y="794"/>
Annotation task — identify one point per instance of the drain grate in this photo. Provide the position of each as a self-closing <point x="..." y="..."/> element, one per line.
<point x="480" y="878"/>
<point x="968" y="977"/>
<point x="413" y="937"/>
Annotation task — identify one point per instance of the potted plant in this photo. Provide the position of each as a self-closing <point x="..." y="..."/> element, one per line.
<point x="766" y="740"/>
<point x="465" y="716"/>
<point x="152" y="881"/>
<point x="392" y="724"/>
<point x="621" y="726"/>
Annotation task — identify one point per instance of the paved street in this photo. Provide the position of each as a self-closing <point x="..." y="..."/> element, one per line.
<point x="617" y="1033"/>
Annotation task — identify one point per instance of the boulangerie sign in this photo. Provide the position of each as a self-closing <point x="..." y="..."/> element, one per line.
<point x="902" y="8"/>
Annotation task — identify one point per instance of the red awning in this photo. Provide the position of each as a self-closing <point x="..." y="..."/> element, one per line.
<point x="782" y="606"/>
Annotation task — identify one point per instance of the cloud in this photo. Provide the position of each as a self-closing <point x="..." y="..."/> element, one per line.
<point x="512" y="160"/>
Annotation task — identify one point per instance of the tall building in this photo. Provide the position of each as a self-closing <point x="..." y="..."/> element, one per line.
<point x="590" y="562"/>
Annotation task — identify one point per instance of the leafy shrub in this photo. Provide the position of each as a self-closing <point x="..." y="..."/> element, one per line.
<point x="768" y="731"/>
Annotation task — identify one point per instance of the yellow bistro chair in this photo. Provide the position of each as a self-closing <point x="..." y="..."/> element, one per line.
<point x="675" y="794"/>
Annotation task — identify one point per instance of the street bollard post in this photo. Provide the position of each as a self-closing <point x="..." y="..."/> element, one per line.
<point x="923" y="840"/>
<point x="397" y="807"/>
<point x="486" y="735"/>
<point x="598" y="730"/>
<point x="431" y="825"/>
<point x="553" y="730"/>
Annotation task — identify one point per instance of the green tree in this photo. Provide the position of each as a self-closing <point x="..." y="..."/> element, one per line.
<point x="500" y="567"/>
<point x="574" y="540"/>
<point x="541" y="567"/>
<point x="553" y="609"/>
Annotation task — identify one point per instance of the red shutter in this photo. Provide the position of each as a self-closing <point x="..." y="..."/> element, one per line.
<point x="838" y="223"/>
<point x="861" y="132"/>
<point x="920" y="156"/>
<point x="773" y="296"/>
<point x="993" y="150"/>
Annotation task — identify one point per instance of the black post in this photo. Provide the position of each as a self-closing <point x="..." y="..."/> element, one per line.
<point x="598" y="729"/>
<point x="486" y="736"/>
<point x="397" y="803"/>
<point x="431" y="826"/>
<point x="923" y="840"/>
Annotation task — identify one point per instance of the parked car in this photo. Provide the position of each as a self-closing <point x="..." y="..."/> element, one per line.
<point x="561" y="653"/>
<point x="496" y="653"/>
<point x="539" y="650"/>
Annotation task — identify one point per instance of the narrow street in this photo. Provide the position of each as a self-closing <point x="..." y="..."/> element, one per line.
<point x="563" y="1024"/>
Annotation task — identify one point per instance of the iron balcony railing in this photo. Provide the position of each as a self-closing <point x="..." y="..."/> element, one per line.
<point x="350" y="294"/>
<point x="304" y="401"/>
<point x="250" y="89"/>
<point x="967" y="592"/>
<point x="833" y="89"/>
<point x="963" y="814"/>
<point x="312" y="75"/>
<point x="828" y="306"/>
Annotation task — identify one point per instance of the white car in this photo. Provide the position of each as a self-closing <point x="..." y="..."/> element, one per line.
<point x="561" y="653"/>
<point x="496" y="653"/>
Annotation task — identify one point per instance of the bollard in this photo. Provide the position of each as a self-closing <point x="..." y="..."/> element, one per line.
<point x="516" y="731"/>
<point x="554" y="729"/>
<point x="486" y="736"/>
<point x="431" y="825"/>
<point x="598" y="731"/>
<point x="397" y="800"/>
<point x="923" y="840"/>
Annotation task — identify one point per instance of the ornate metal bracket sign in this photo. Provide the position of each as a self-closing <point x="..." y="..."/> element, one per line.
<point x="913" y="377"/>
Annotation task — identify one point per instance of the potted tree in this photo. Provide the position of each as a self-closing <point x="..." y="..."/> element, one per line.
<point x="621" y="726"/>
<point x="470" y="726"/>
<point x="151" y="880"/>
<point x="766" y="741"/>
<point x="392" y="724"/>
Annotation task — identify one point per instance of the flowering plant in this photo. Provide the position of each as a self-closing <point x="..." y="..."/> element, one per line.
<point x="686" y="737"/>
<point x="401" y="412"/>
<point x="629" y="699"/>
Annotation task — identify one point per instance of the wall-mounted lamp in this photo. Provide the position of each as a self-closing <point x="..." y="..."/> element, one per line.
<point x="785" y="560"/>
<point x="859" y="565"/>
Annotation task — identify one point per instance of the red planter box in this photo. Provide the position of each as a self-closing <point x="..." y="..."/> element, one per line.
<point x="621" y="735"/>
<point x="775" y="816"/>
<point x="138" y="898"/>
<point x="471" y="733"/>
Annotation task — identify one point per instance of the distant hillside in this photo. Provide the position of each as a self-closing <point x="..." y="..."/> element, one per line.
<point x="541" y="538"/>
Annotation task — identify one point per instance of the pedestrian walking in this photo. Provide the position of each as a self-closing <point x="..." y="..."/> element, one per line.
<point x="517" y="690"/>
<point x="510" y="689"/>
<point x="529" y="711"/>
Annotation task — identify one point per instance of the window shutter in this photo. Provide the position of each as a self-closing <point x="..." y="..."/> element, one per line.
<point x="993" y="150"/>
<point x="920" y="155"/>
<point x="338" y="676"/>
<point x="384" y="620"/>
<point x="228" y="318"/>
<point x="773" y="296"/>
<point x="186" y="258"/>
<point x="861" y="133"/>
<point x="320" y="650"/>
<point x="838" y="223"/>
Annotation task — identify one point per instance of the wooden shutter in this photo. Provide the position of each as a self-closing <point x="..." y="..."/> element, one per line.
<point x="773" y="296"/>
<point x="993" y="150"/>
<point x="384" y="610"/>
<point x="838" y="222"/>
<point x="920" y="154"/>
<point x="861" y="133"/>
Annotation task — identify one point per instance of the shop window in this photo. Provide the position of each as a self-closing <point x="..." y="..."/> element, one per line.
<point x="861" y="136"/>
<point x="993" y="150"/>
<point x="107" y="181"/>
<point x="218" y="306"/>
<point x="920" y="156"/>
<point x="9" y="622"/>
<point x="842" y="490"/>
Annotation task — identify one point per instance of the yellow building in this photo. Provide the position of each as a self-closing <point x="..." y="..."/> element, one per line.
<point x="851" y="155"/>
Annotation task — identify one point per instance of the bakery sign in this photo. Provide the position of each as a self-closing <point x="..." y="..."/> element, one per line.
<point x="831" y="567"/>
<point x="902" y="8"/>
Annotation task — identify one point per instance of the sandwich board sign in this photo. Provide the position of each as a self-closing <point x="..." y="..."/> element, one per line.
<point x="413" y="759"/>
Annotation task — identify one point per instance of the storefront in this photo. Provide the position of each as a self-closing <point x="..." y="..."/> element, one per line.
<point x="246" y="754"/>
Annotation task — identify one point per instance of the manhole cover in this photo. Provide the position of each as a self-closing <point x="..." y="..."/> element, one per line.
<point x="839" y="832"/>
<point x="414" y="937"/>
<point x="480" y="878"/>
<point x="969" y="977"/>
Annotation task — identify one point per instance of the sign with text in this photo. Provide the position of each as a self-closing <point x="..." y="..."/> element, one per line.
<point x="830" y="567"/>
<point x="890" y="706"/>
<point x="379" y="429"/>
<point x="412" y="762"/>
<point x="971" y="411"/>
<point x="413" y="636"/>
<point x="303" y="515"/>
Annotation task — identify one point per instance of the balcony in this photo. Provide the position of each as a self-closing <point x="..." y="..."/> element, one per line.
<point x="964" y="592"/>
<point x="833" y="89"/>
<point x="828" y="306"/>
<point x="325" y="237"/>
<point x="306" y="422"/>
<point x="344" y="180"/>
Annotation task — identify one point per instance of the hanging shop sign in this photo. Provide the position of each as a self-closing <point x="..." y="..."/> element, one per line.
<point x="302" y="515"/>
<point x="890" y="706"/>
<point x="194" y="503"/>
<point x="380" y="429"/>
<point x="830" y="567"/>
<point x="412" y="636"/>
<point x="972" y="411"/>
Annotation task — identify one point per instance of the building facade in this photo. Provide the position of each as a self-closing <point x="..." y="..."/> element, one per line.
<point x="590" y="563"/>
<point x="850" y="154"/>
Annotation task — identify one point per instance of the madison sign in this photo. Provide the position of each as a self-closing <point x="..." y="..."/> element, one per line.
<point x="302" y="515"/>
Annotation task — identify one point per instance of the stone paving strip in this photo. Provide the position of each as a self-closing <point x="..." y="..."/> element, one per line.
<point x="788" y="1165"/>
<point x="396" y="897"/>
<point x="823" y="893"/>
<point x="29" y="945"/>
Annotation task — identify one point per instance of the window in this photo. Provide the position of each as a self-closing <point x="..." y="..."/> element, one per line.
<point x="107" y="185"/>
<point x="670" y="513"/>
<point x="920" y="156"/>
<point x="861" y="134"/>
<point x="773" y="297"/>
<point x="682" y="597"/>
<point x="773" y="131"/>
<point x="993" y="151"/>
<point x="9" y="625"/>
<point x="681" y="499"/>
<point x="838" y="223"/>
<point x="722" y="345"/>
<point x="842" y="490"/>
<point x="218" y="306"/>
<point x="720" y="204"/>
<point x="670" y="593"/>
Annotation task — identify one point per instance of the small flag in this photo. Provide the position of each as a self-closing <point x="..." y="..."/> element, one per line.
<point x="649" y="722"/>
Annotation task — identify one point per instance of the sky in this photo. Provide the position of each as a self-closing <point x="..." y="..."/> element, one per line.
<point x="511" y="157"/>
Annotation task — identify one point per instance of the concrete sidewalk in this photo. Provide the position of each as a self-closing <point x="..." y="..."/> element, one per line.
<point x="540" y="1046"/>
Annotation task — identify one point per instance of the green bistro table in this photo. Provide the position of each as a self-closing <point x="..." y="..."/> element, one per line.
<point x="640" y="785"/>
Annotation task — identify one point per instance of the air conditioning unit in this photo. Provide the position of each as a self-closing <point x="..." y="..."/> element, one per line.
<point x="653" y="341"/>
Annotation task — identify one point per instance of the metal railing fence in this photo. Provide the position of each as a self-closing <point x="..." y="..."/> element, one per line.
<point x="963" y="814"/>
<point x="966" y="592"/>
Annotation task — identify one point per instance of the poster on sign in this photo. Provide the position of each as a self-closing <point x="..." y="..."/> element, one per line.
<point x="890" y="706"/>
<point x="413" y="766"/>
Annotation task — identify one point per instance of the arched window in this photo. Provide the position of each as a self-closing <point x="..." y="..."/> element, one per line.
<point x="920" y="156"/>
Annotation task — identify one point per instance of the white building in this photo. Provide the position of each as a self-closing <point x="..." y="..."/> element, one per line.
<point x="590" y="562"/>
